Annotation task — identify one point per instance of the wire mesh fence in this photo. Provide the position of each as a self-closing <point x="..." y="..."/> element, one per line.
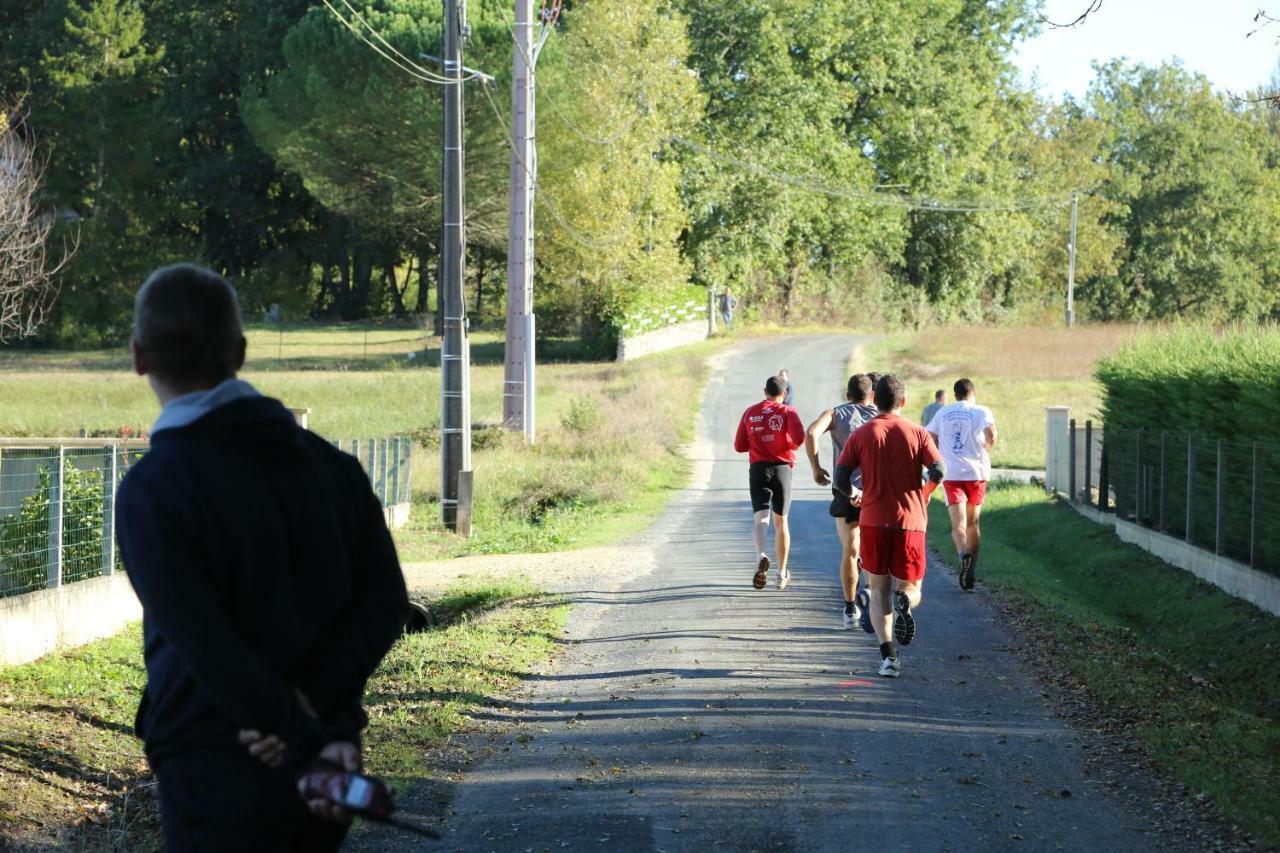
<point x="57" y="504"/>
<point x="1218" y="495"/>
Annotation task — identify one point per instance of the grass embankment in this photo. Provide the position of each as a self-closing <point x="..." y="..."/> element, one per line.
<point x="73" y="776"/>
<point x="1018" y="371"/>
<point x="1189" y="671"/>
<point x="609" y="435"/>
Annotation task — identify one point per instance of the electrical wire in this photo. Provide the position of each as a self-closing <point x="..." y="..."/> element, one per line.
<point x="399" y="60"/>
<point x="903" y="202"/>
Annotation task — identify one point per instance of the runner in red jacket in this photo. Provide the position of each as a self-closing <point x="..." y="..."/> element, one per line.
<point x="770" y="431"/>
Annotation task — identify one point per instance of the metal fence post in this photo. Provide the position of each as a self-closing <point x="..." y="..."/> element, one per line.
<point x="1255" y="499"/>
<point x="1088" y="462"/>
<point x="393" y="497"/>
<point x="1162" y="526"/>
<point x="109" y="472"/>
<point x="1219" y="531"/>
<point x="1191" y="488"/>
<point x="384" y="447"/>
<point x="1104" y="472"/>
<point x="408" y="474"/>
<point x="1137" y="478"/>
<point x="55" y="521"/>
<point x="1072" y="494"/>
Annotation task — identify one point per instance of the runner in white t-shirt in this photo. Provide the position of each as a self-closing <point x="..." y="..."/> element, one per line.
<point x="964" y="432"/>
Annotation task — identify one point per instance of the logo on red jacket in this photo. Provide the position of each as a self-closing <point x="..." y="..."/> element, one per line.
<point x="775" y="423"/>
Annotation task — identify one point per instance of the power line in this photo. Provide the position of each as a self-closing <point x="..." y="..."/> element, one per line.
<point x="399" y="60"/>
<point x="903" y="202"/>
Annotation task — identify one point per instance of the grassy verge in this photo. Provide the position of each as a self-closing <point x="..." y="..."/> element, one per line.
<point x="1018" y="371"/>
<point x="1192" y="672"/>
<point x="608" y="455"/>
<point x="73" y="776"/>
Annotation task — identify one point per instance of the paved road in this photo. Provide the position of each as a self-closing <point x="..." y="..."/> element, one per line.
<point x="692" y="713"/>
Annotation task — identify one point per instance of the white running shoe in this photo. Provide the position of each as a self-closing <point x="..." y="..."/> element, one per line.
<point x="848" y="620"/>
<point x="784" y="578"/>
<point x="890" y="668"/>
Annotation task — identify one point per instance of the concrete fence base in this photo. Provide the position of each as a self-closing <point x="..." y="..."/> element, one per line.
<point x="668" y="337"/>
<point x="35" y="624"/>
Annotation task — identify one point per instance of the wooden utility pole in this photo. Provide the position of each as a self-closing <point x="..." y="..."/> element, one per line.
<point x="455" y="350"/>
<point x="518" y="410"/>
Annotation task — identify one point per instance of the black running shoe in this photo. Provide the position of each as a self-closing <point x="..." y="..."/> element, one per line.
<point x="762" y="573"/>
<point x="864" y="617"/>
<point x="904" y="624"/>
<point x="966" y="572"/>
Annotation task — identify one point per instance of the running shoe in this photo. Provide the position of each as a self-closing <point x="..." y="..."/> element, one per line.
<point x="904" y="624"/>
<point x="762" y="572"/>
<point x="890" y="668"/>
<point x="864" y="611"/>
<point x="784" y="578"/>
<point x="966" y="572"/>
<point x="848" y="620"/>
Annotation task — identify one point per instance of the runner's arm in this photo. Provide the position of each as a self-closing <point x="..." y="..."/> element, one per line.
<point x="931" y="461"/>
<point x="989" y="434"/>
<point x="820" y="425"/>
<point x="845" y="466"/>
<point x="740" y="442"/>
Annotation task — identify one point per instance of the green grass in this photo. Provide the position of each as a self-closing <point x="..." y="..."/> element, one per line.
<point x="1194" y="671"/>
<point x="604" y="475"/>
<point x="1018" y="371"/>
<point x="73" y="776"/>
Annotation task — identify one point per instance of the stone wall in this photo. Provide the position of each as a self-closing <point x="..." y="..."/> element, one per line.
<point x="668" y="337"/>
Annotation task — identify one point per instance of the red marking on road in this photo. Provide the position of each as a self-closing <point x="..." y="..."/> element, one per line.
<point x="857" y="682"/>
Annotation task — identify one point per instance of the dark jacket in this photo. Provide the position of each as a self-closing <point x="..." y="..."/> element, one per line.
<point x="264" y="565"/>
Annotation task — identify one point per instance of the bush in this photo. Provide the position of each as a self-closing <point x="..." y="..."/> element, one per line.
<point x="1210" y="398"/>
<point x="24" y="537"/>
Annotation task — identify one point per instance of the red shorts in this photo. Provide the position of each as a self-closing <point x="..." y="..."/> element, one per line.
<point x="965" y="491"/>
<point x="888" y="551"/>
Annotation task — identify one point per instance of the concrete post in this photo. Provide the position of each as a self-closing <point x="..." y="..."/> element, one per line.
<point x="109" y="474"/>
<point x="1056" y="458"/>
<point x="55" y="520"/>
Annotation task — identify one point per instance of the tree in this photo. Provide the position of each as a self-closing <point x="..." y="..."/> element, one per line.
<point x="613" y="89"/>
<point x="1195" y="198"/>
<point x="29" y="275"/>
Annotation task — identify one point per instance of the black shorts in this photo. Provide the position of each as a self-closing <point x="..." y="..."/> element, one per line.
<point x="771" y="487"/>
<point x="841" y="508"/>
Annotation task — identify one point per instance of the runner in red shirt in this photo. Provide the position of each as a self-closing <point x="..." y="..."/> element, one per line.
<point x="770" y="431"/>
<point x="892" y="453"/>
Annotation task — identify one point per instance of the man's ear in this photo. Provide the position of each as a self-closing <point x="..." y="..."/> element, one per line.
<point x="140" y="365"/>
<point x="241" y="349"/>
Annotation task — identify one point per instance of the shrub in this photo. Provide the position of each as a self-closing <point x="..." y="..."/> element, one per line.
<point x="24" y="537"/>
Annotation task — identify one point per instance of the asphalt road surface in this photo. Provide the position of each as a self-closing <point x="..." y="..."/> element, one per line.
<point x="693" y="713"/>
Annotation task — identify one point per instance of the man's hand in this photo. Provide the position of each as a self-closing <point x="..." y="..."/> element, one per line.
<point x="821" y="476"/>
<point x="268" y="749"/>
<point x="855" y="499"/>
<point x="345" y="755"/>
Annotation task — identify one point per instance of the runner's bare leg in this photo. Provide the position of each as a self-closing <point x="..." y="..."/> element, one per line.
<point x="847" y="580"/>
<point x="912" y="589"/>
<point x="760" y="531"/>
<point x="781" y="540"/>
<point x="959" y="526"/>
<point x="880" y="588"/>
<point x="974" y="533"/>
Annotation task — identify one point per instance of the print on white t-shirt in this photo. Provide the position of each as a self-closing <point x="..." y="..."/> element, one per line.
<point x="959" y="427"/>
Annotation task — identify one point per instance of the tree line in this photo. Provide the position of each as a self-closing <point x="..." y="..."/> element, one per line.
<point x="856" y="161"/>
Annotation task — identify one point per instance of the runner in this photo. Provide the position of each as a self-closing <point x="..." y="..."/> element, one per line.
<point x="770" y="431"/>
<point x="939" y="400"/>
<point x="790" y="393"/>
<point x="892" y="453"/>
<point x="965" y="432"/>
<point x="841" y="421"/>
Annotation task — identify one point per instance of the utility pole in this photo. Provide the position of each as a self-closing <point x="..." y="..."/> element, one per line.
<point x="455" y="349"/>
<point x="1071" y="265"/>
<point x="518" y="409"/>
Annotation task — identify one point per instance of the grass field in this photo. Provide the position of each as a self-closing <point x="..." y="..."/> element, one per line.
<point x="608" y="451"/>
<point x="1018" y="371"/>
<point x="72" y="775"/>
<point x="1188" y="670"/>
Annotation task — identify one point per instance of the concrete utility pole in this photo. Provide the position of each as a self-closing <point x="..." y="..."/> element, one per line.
<point x="1071" y="266"/>
<point x="518" y="410"/>
<point x="455" y="347"/>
